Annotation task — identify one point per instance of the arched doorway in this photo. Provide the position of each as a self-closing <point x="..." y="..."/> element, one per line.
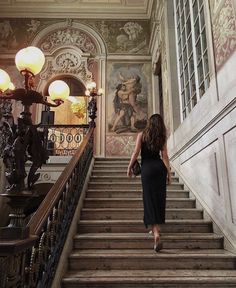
<point x="74" y="110"/>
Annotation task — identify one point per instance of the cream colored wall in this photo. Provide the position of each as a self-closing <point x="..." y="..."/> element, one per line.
<point x="202" y="148"/>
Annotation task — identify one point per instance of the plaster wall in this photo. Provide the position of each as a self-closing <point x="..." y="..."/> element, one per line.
<point x="203" y="148"/>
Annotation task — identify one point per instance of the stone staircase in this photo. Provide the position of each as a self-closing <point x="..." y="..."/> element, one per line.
<point x="113" y="248"/>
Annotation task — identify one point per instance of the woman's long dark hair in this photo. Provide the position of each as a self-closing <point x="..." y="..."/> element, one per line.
<point x="154" y="135"/>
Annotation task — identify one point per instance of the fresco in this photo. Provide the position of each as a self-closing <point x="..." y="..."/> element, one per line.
<point x="127" y="100"/>
<point x="224" y="30"/>
<point x="120" y="145"/>
<point x="122" y="36"/>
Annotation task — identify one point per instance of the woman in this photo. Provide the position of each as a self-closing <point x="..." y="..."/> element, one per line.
<point x="155" y="172"/>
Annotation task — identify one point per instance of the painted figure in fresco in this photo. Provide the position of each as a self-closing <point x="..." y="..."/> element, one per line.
<point x="134" y="87"/>
<point x="123" y="109"/>
<point x="125" y="104"/>
<point x="133" y="29"/>
<point x="33" y="26"/>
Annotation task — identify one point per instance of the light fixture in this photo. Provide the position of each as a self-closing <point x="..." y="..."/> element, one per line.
<point x="27" y="143"/>
<point x="91" y="91"/>
<point x="4" y="81"/>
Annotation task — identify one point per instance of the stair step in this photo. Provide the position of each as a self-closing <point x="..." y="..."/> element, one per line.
<point x="145" y="241"/>
<point x="127" y="185"/>
<point x="135" y="202"/>
<point x="137" y="226"/>
<point x="150" y="278"/>
<point x="116" y="178"/>
<point x="97" y="171"/>
<point x="136" y="213"/>
<point x="107" y="259"/>
<point x="93" y="193"/>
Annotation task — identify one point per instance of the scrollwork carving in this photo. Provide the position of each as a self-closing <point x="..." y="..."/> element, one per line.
<point x="68" y="36"/>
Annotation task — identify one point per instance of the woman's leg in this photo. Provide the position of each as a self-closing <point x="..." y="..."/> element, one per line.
<point x="157" y="238"/>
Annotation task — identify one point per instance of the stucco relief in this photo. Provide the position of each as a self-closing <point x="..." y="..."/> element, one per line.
<point x="68" y="36"/>
<point x="120" y="146"/>
<point x="224" y="30"/>
<point x="68" y="62"/>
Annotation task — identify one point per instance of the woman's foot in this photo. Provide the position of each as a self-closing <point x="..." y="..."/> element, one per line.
<point x="157" y="242"/>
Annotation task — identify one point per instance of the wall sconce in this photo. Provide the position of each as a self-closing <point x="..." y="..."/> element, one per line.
<point x="92" y="105"/>
<point x="27" y="143"/>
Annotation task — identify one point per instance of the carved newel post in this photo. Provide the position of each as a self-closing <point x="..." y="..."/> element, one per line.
<point x="25" y="142"/>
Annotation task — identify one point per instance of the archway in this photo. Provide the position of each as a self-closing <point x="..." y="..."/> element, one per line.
<point x="74" y="50"/>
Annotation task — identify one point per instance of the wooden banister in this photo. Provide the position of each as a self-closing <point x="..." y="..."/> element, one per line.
<point x="32" y="262"/>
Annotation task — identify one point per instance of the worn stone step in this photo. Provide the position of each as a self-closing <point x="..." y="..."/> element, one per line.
<point x="120" y="179"/>
<point x="150" y="278"/>
<point x="107" y="259"/>
<point x="127" y="185"/>
<point x="112" y="159"/>
<point x="94" y="193"/>
<point x="113" y="171"/>
<point x="137" y="226"/>
<point x="145" y="241"/>
<point x="136" y="213"/>
<point x="135" y="203"/>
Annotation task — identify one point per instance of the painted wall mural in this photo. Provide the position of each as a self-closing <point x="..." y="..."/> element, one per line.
<point x="127" y="105"/>
<point x="224" y="30"/>
<point x="122" y="36"/>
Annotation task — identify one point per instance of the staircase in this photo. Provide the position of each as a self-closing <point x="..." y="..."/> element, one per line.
<point x="113" y="248"/>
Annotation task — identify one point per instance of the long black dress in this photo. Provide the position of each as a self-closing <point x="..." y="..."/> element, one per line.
<point x="153" y="176"/>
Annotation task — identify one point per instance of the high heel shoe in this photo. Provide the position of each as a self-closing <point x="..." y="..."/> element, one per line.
<point x="158" y="245"/>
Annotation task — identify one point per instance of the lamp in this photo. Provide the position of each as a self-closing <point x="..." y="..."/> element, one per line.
<point x="92" y="105"/>
<point x="26" y="143"/>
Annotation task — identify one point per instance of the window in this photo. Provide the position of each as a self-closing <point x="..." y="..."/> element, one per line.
<point x="192" y="52"/>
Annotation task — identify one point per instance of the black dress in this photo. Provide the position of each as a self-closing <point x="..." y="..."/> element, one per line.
<point x="153" y="176"/>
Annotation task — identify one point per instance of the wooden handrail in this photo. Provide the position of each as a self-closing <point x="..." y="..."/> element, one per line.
<point x="38" y="219"/>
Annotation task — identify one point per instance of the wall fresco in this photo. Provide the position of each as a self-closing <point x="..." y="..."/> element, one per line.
<point x="122" y="36"/>
<point x="224" y="30"/>
<point x="120" y="145"/>
<point x="127" y="100"/>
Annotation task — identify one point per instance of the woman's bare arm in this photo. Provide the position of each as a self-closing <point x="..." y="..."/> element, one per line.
<point x="135" y="153"/>
<point x="165" y="158"/>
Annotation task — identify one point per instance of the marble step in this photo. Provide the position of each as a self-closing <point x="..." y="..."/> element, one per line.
<point x="137" y="226"/>
<point x="108" y="259"/>
<point x="135" y="203"/>
<point x="150" y="278"/>
<point x="145" y="241"/>
<point x="136" y="213"/>
<point x="94" y="193"/>
<point x="126" y="185"/>
<point x="113" y="171"/>
<point x="124" y="178"/>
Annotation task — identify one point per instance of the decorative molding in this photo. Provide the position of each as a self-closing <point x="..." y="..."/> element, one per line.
<point x="117" y="9"/>
<point x="229" y="139"/>
<point x="223" y="113"/>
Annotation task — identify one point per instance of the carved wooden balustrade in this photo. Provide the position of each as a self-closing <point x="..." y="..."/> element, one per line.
<point x="32" y="262"/>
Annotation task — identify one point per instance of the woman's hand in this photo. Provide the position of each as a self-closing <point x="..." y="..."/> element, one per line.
<point x="129" y="172"/>
<point x="168" y="178"/>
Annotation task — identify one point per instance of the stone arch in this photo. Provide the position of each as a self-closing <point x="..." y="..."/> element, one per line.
<point x="76" y="50"/>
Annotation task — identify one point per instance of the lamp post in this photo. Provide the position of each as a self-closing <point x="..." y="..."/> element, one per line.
<point x="25" y="142"/>
<point x="92" y="105"/>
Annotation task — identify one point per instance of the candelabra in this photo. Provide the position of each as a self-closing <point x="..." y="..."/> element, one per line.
<point x="92" y="92"/>
<point x="24" y="142"/>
